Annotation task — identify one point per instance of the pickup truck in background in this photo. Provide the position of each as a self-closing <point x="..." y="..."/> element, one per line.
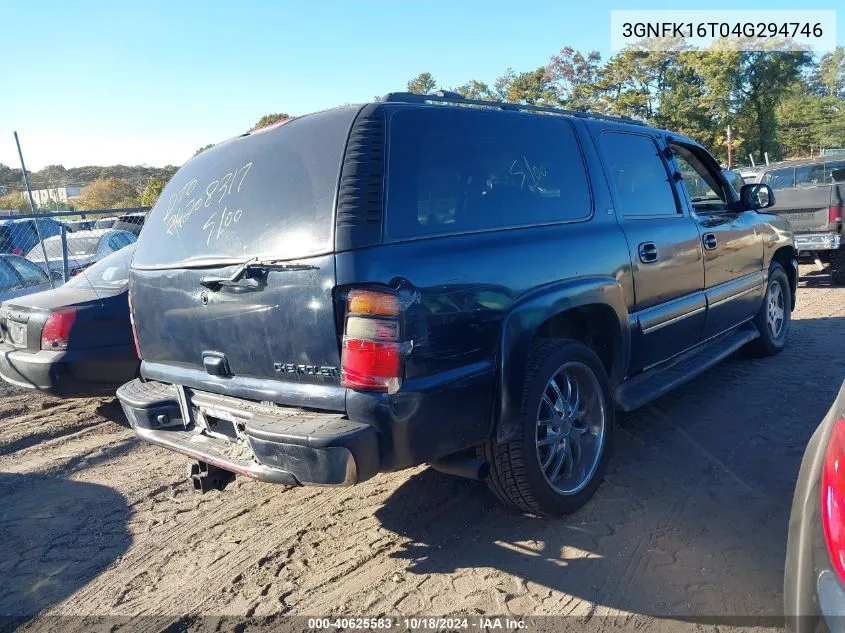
<point x="810" y="194"/>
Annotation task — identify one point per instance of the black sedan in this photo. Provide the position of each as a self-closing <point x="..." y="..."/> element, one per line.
<point x="814" y="578"/>
<point x="76" y="339"/>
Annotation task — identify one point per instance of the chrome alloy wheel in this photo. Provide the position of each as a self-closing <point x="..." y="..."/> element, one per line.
<point x="775" y="309"/>
<point x="571" y="428"/>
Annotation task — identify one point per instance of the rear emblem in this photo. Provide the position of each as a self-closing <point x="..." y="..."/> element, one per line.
<point x="204" y="298"/>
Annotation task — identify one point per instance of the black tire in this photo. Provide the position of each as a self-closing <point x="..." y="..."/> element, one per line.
<point x="770" y="343"/>
<point x="516" y="475"/>
<point x="837" y="266"/>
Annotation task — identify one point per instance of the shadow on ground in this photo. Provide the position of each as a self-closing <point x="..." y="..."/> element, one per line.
<point x="692" y="518"/>
<point x="56" y="535"/>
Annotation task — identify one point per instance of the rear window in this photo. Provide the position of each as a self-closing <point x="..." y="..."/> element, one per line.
<point x="110" y="273"/>
<point x="270" y="193"/>
<point x="458" y="169"/>
<point x="76" y="246"/>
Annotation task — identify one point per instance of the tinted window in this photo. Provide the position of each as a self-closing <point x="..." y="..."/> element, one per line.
<point x="17" y="237"/>
<point x="270" y="193"/>
<point x="460" y="169"/>
<point x="809" y="175"/>
<point x="780" y="178"/>
<point x="8" y="279"/>
<point x="32" y="275"/>
<point x="639" y="174"/>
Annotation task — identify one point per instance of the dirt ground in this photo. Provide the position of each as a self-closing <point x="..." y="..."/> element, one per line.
<point x="690" y="523"/>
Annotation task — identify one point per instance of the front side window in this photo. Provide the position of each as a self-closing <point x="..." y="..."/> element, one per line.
<point x="639" y="175"/>
<point x="454" y="170"/>
<point x="780" y="178"/>
<point x="705" y="190"/>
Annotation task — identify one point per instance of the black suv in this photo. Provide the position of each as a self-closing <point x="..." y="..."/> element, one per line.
<point x="417" y="281"/>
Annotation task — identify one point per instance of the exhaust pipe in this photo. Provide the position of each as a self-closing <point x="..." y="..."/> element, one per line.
<point x="204" y="477"/>
<point x="462" y="466"/>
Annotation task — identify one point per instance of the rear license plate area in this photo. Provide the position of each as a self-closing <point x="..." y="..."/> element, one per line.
<point x="800" y="216"/>
<point x="17" y="333"/>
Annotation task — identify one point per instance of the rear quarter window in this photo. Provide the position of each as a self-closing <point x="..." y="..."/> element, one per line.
<point x="453" y="170"/>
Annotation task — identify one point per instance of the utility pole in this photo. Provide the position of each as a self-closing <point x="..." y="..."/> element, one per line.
<point x="32" y="208"/>
<point x="730" y="153"/>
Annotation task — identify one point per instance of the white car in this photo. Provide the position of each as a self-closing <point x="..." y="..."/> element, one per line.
<point x="83" y="249"/>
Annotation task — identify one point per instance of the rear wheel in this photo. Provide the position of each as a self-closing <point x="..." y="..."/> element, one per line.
<point x="774" y="317"/>
<point x="558" y="460"/>
<point x="837" y="266"/>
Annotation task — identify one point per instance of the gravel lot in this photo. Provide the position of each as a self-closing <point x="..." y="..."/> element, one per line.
<point x="690" y="523"/>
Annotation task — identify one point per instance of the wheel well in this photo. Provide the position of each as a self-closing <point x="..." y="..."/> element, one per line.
<point x="784" y="256"/>
<point x="595" y="325"/>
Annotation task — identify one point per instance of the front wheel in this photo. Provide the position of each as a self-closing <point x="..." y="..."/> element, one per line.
<point x="774" y="317"/>
<point x="556" y="463"/>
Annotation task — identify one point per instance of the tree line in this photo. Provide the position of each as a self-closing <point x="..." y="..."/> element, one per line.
<point x="785" y="104"/>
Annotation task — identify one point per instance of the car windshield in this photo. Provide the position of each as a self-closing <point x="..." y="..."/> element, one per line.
<point x="111" y="272"/>
<point x="77" y="246"/>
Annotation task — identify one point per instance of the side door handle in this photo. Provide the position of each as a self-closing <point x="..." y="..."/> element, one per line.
<point x="710" y="242"/>
<point x="648" y="253"/>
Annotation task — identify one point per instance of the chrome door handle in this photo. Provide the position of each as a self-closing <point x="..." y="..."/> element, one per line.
<point x="648" y="252"/>
<point x="710" y="242"/>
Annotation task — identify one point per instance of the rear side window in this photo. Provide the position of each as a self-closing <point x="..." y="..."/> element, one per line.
<point x="31" y="274"/>
<point x="270" y="193"/>
<point x="780" y="178"/>
<point x="639" y="175"/>
<point x="454" y="170"/>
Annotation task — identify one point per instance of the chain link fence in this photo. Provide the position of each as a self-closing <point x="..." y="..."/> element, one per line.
<point x="44" y="250"/>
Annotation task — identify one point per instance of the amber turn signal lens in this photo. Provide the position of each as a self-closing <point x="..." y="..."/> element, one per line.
<point x="371" y="302"/>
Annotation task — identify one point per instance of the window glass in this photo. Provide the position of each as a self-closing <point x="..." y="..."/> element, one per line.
<point x="110" y="273"/>
<point x="8" y="279"/>
<point x="461" y="169"/>
<point x="639" y="174"/>
<point x="832" y="166"/>
<point x="32" y="275"/>
<point x="706" y="192"/>
<point x="780" y="178"/>
<point x="809" y="175"/>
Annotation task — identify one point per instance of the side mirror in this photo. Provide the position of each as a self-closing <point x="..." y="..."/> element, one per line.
<point x="756" y="196"/>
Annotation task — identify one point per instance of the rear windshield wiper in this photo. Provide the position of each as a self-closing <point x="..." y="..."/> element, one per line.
<point x="256" y="263"/>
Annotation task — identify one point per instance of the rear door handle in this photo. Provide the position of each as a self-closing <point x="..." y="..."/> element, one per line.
<point x="648" y="252"/>
<point x="710" y="242"/>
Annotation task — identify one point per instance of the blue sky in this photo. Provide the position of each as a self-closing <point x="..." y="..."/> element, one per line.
<point x="149" y="82"/>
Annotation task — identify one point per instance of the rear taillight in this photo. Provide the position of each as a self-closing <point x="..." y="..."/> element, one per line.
<point x="134" y="330"/>
<point x="371" y="359"/>
<point x="56" y="332"/>
<point x="835" y="213"/>
<point x="833" y="498"/>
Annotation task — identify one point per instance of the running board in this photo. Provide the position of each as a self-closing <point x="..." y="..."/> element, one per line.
<point x="653" y="383"/>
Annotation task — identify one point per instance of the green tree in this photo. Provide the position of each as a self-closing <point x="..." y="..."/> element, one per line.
<point x="203" y="148"/>
<point x="267" y="119"/>
<point x="152" y="191"/>
<point x="828" y="77"/>
<point x="108" y="193"/>
<point x="474" y="89"/>
<point x="16" y="201"/>
<point x="422" y="84"/>
<point x="572" y="76"/>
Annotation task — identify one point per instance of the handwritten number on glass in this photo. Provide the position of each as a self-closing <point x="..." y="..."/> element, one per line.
<point x="534" y="173"/>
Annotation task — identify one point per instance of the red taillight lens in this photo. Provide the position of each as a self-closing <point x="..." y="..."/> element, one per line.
<point x="56" y="332"/>
<point x="371" y="358"/>
<point x="835" y="214"/>
<point x="134" y="330"/>
<point x="370" y="365"/>
<point x="833" y="498"/>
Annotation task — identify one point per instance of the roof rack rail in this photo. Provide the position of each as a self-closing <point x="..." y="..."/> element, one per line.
<point x="447" y="96"/>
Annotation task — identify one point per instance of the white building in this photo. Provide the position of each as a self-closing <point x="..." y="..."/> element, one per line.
<point x="43" y="197"/>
